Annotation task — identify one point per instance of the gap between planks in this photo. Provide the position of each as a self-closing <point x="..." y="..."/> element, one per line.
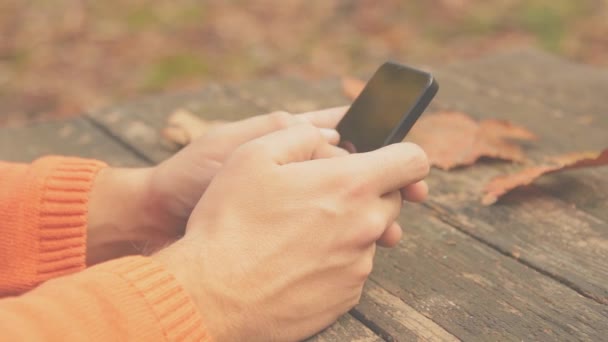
<point x="120" y="141"/>
<point x="402" y="313"/>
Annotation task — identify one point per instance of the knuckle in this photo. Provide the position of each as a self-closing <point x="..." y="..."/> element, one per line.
<point x="330" y="209"/>
<point x="374" y="221"/>
<point x="311" y="132"/>
<point x="365" y="270"/>
<point x="372" y="226"/>
<point x="248" y="151"/>
<point x="281" y="119"/>
<point x="357" y="187"/>
<point x="356" y="298"/>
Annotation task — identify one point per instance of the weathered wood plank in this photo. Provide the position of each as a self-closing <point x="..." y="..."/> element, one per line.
<point x="347" y="328"/>
<point x="477" y="294"/>
<point x="139" y="123"/>
<point x="563" y="102"/>
<point x="557" y="136"/>
<point x="534" y="76"/>
<point x="290" y="94"/>
<point x="75" y="137"/>
<point x="395" y="320"/>
<point x="530" y="224"/>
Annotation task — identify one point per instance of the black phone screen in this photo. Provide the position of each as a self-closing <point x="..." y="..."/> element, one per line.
<point x="384" y="107"/>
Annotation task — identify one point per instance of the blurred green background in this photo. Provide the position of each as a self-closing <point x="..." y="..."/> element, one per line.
<point x="61" y="57"/>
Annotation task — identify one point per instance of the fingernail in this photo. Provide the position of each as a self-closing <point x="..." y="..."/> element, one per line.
<point x="330" y="134"/>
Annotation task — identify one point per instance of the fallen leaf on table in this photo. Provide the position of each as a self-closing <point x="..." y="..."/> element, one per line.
<point x="183" y="127"/>
<point x="352" y="87"/>
<point x="503" y="184"/>
<point x="453" y="139"/>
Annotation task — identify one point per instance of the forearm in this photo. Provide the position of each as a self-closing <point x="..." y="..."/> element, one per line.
<point x="132" y="298"/>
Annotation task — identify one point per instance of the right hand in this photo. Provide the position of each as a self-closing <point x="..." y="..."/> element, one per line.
<point x="280" y="245"/>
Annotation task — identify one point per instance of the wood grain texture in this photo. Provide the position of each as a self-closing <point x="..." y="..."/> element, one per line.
<point x="347" y="328"/>
<point x="556" y="227"/>
<point x="395" y="320"/>
<point x="477" y="294"/>
<point x="537" y="77"/>
<point x="563" y="102"/>
<point x="74" y="137"/>
<point x="531" y="226"/>
<point x="139" y="123"/>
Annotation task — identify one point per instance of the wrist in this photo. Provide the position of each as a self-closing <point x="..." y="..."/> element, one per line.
<point x="120" y="221"/>
<point x="182" y="260"/>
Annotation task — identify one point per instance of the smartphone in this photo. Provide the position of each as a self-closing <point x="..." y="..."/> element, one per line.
<point x="387" y="107"/>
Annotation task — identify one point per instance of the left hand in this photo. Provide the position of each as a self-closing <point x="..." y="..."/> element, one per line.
<point x="178" y="183"/>
<point x="142" y="210"/>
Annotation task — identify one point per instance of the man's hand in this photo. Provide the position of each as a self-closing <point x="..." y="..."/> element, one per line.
<point x="282" y="242"/>
<point x="177" y="184"/>
<point x="141" y="210"/>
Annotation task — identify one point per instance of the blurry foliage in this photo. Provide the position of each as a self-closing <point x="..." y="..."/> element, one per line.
<point x="174" y="68"/>
<point x="61" y="57"/>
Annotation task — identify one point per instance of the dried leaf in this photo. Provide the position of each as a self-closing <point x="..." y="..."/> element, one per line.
<point x="453" y="139"/>
<point x="183" y="127"/>
<point x="503" y="184"/>
<point x="352" y="87"/>
<point x="446" y="137"/>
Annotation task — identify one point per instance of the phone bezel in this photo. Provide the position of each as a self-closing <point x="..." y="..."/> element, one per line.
<point x="410" y="115"/>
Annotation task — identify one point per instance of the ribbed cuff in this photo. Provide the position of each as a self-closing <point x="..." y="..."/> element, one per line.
<point x="171" y="305"/>
<point x="62" y="216"/>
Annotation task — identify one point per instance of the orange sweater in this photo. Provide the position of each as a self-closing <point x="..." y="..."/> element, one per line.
<point x="46" y="293"/>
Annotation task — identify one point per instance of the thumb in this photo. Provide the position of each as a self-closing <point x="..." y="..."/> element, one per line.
<point x="294" y="144"/>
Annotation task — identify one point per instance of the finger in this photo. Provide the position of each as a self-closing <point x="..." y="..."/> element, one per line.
<point x="366" y="261"/>
<point x="331" y="135"/>
<point x="391" y="236"/>
<point x="329" y="151"/>
<point x="416" y="192"/>
<point x="388" y="209"/>
<point x="293" y="144"/>
<point x="384" y="170"/>
<point x="349" y="146"/>
<point x="242" y="131"/>
<point x="326" y="118"/>
<point x="393" y="203"/>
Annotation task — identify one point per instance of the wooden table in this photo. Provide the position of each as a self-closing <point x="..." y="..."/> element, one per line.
<point x="532" y="267"/>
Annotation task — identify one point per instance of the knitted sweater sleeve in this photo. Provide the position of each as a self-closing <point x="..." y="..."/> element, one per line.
<point x="45" y="292"/>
